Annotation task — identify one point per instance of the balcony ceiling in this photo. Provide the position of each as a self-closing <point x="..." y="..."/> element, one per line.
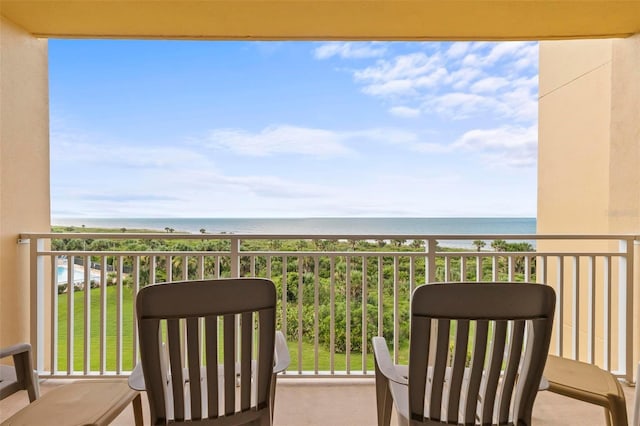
<point x="326" y="19"/>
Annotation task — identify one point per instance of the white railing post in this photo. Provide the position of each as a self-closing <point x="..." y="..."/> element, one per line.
<point x="625" y="309"/>
<point x="36" y="303"/>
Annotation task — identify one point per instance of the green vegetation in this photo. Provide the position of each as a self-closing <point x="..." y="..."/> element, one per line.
<point x="300" y="281"/>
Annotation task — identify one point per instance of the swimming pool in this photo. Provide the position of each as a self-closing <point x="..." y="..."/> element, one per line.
<point x="78" y="274"/>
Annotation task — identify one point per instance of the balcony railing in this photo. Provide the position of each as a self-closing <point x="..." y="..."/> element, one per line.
<point x="335" y="292"/>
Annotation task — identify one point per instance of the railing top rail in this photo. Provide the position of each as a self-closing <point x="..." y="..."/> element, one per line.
<point x="245" y="236"/>
<point x="323" y="252"/>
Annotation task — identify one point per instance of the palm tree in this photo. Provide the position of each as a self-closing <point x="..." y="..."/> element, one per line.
<point x="499" y="245"/>
<point x="479" y="244"/>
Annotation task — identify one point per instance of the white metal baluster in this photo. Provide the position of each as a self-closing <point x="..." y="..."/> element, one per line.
<point x="54" y="316"/>
<point x="316" y="309"/>
<point x="575" y="284"/>
<point x="463" y="268"/>
<point x="527" y="268"/>
<point x="300" y="300"/>
<point x="284" y="296"/>
<point x="559" y="304"/>
<point x="447" y="268"/>
<point x="606" y="276"/>
<point x="119" y="316"/>
<point x="412" y="274"/>
<point x="169" y="267"/>
<point x="380" y="297"/>
<point x="269" y="267"/>
<point x="511" y="265"/>
<point x="70" y="312"/>
<point x="347" y="292"/>
<point x="591" y="312"/>
<point x="152" y="269"/>
<point x="103" y="314"/>
<point x="430" y="273"/>
<point x="200" y="271"/>
<point x="332" y="310"/>
<point x="136" y="289"/>
<point x="363" y="344"/>
<point x="87" y="315"/>
<point x="396" y="310"/>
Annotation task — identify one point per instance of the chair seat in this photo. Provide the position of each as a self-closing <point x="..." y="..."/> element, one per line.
<point x="86" y="402"/>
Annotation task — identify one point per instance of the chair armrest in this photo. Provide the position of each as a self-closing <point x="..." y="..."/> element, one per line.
<point x="15" y="350"/>
<point x="384" y="363"/>
<point x="136" y="379"/>
<point x="282" y="358"/>
<point x="25" y="376"/>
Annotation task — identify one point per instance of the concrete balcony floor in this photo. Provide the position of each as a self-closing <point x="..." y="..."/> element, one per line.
<point x="310" y="402"/>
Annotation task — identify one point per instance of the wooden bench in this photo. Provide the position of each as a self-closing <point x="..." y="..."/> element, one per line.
<point x="84" y="402"/>
<point x="588" y="383"/>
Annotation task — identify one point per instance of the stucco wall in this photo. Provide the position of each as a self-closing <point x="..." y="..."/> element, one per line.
<point x="589" y="136"/>
<point x="588" y="156"/>
<point x="24" y="169"/>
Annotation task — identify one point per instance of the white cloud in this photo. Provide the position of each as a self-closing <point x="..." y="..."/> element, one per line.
<point x="460" y="105"/>
<point x="391" y="88"/>
<point x="74" y="151"/>
<point x="489" y="84"/>
<point x="347" y="50"/>
<point x="280" y="140"/>
<point x="403" y="111"/>
<point x="505" y="146"/>
<point x="458" y="80"/>
<point x="457" y="50"/>
<point x="403" y="66"/>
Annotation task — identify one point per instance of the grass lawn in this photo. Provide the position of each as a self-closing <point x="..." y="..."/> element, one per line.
<point x="308" y="355"/>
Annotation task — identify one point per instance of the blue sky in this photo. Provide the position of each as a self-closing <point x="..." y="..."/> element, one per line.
<point x="293" y="129"/>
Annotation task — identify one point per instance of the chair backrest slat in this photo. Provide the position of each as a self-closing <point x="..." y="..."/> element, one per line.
<point x="505" y="329"/>
<point x="439" y="369"/>
<point x="229" y="364"/>
<point x="149" y="333"/>
<point x="193" y="358"/>
<point x="265" y="358"/>
<point x="246" y="346"/>
<point x="511" y="370"/>
<point x="420" y="326"/>
<point x="175" y="362"/>
<point x="211" y="353"/>
<point x="218" y="375"/>
<point x="534" y="352"/>
<point x="457" y="369"/>
<point x="477" y="368"/>
<point x="495" y="367"/>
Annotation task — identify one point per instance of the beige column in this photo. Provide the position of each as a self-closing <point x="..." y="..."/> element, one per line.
<point x="589" y="151"/>
<point x="24" y="169"/>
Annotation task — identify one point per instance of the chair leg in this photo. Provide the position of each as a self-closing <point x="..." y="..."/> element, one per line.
<point x="272" y="396"/>
<point x="607" y="416"/>
<point x="384" y="401"/>
<point x="618" y="410"/>
<point x="137" y="410"/>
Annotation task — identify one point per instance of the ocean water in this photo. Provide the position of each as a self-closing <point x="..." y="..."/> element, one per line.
<point x="321" y="226"/>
